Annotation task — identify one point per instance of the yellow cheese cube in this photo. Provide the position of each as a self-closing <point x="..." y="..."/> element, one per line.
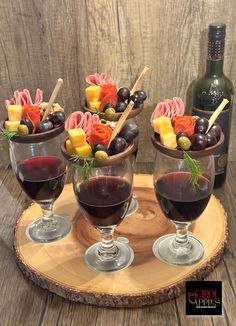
<point x="83" y="151"/>
<point x="12" y="125"/>
<point x="162" y="125"/>
<point x="14" y="112"/>
<point x="77" y="137"/>
<point x="169" y="140"/>
<point x="69" y="148"/>
<point x="94" y="106"/>
<point x="93" y="93"/>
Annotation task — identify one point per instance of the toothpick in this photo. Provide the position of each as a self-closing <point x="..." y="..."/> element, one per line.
<point x="53" y="97"/>
<point x="216" y="113"/>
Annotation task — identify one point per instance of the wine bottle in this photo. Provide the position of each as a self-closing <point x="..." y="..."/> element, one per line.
<point x="209" y="92"/>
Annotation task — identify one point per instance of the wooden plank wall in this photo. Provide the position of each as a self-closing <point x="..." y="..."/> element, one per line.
<point x="41" y="40"/>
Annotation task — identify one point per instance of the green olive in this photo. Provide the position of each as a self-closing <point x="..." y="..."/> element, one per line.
<point x="23" y="130"/>
<point x="101" y="155"/>
<point x="184" y="143"/>
<point x="110" y="113"/>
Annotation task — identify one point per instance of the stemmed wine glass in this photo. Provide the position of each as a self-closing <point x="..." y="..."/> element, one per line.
<point x="182" y="198"/>
<point x="104" y="198"/>
<point x="41" y="171"/>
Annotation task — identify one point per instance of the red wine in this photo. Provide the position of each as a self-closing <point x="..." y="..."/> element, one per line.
<point x="178" y="200"/>
<point x="42" y="178"/>
<point x="104" y="200"/>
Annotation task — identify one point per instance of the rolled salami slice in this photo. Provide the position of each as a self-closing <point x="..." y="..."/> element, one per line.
<point x="74" y="120"/>
<point x="38" y="97"/>
<point x="179" y="104"/>
<point x="158" y="112"/>
<point x="169" y="108"/>
<point x="24" y="98"/>
<point x="82" y="120"/>
<point x="99" y="79"/>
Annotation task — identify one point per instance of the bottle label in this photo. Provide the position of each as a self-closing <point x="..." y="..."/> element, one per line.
<point x="220" y="156"/>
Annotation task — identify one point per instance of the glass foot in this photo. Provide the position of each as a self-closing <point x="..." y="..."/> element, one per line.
<point x="164" y="251"/>
<point x="49" y="231"/>
<point x="123" y="259"/>
<point x="133" y="207"/>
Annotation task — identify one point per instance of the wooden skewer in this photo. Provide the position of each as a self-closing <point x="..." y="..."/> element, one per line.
<point x="138" y="82"/>
<point x="125" y="114"/>
<point x="216" y="113"/>
<point x="53" y="97"/>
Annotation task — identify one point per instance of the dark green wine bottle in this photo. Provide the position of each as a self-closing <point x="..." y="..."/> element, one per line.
<point x="209" y="92"/>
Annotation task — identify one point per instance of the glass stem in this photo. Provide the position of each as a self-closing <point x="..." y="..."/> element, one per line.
<point x="49" y="221"/>
<point x="107" y="249"/>
<point x="181" y="239"/>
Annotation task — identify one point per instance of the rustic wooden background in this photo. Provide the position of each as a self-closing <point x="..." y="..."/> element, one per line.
<point x="42" y="40"/>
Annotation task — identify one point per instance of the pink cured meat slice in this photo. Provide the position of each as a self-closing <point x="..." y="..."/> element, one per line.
<point x="74" y="120"/>
<point x="173" y="110"/>
<point x="17" y="99"/>
<point x="38" y="97"/>
<point x="179" y="105"/>
<point x="169" y="108"/>
<point x="8" y="102"/>
<point x="87" y="122"/>
<point x="82" y="120"/>
<point x="99" y="80"/>
<point x="158" y="112"/>
<point x="23" y="97"/>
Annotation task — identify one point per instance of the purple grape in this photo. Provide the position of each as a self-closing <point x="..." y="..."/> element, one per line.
<point x="136" y="99"/>
<point x="200" y="129"/>
<point x="118" y="145"/>
<point x="58" y="118"/>
<point x="123" y="93"/>
<point x="44" y="126"/>
<point x="199" y="142"/>
<point x="211" y="139"/>
<point x="142" y="95"/>
<point x="120" y="107"/>
<point x="129" y="132"/>
<point x="29" y="124"/>
<point x="216" y="130"/>
<point x="201" y="125"/>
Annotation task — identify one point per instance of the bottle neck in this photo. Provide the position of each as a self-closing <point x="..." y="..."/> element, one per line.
<point x="215" y="59"/>
<point x="215" y="67"/>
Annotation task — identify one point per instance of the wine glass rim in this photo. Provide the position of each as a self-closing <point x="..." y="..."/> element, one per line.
<point x="178" y="154"/>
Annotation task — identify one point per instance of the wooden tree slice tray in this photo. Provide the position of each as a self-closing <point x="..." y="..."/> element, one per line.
<point x="60" y="267"/>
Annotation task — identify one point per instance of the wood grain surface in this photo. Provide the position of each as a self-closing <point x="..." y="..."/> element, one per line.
<point x="22" y="303"/>
<point x="60" y="267"/>
<point x="42" y="40"/>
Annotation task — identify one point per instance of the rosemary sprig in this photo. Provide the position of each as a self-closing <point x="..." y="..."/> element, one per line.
<point x="87" y="167"/>
<point x="194" y="167"/>
<point x="6" y="134"/>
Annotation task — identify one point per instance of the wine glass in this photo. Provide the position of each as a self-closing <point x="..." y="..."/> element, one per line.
<point x="41" y="171"/>
<point x="183" y="196"/>
<point x="104" y="198"/>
